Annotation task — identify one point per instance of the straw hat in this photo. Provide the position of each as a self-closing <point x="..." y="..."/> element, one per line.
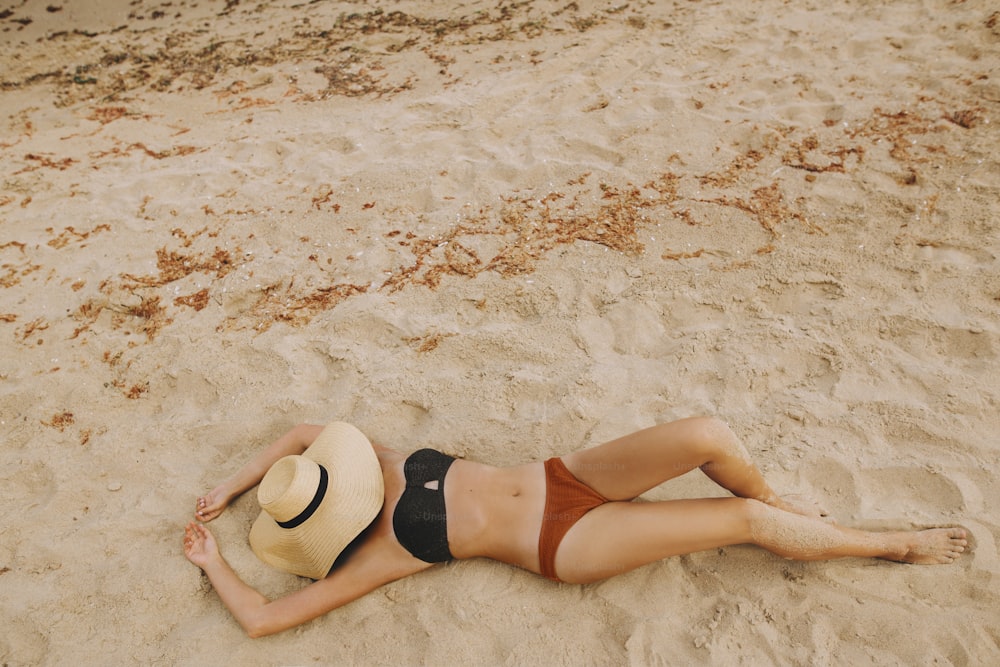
<point x="314" y="505"/>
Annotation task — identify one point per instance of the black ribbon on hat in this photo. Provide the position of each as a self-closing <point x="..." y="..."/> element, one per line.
<point x="313" y="505"/>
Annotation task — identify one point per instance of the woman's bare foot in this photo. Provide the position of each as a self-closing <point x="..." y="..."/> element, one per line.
<point x="934" y="546"/>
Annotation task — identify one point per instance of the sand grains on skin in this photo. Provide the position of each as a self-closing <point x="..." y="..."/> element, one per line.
<point x="805" y="537"/>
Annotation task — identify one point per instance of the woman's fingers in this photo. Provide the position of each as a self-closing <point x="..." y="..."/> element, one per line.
<point x="205" y="510"/>
<point x="208" y="507"/>
<point x="189" y="540"/>
<point x="198" y="545"/>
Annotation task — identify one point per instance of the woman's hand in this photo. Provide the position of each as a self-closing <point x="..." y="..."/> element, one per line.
<point x="199" y="545"/>
<point x="215" y="501"/>
<point x="210" y="505"/>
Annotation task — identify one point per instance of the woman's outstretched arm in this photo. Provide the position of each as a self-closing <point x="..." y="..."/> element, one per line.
<point x="294" y="441"/>
<point x="242" y="601"/>
<point x="373" y="564"/>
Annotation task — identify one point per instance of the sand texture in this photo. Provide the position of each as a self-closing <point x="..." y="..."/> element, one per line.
<point x="507" y="230"/>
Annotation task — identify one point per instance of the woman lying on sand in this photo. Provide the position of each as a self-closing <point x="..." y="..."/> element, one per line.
<point x="332" y="499"/>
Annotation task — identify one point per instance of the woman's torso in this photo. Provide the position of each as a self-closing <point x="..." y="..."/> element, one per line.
<point x="491" y="512"/>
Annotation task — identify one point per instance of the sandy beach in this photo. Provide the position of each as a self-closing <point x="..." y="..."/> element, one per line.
<point x="506" y="230"/>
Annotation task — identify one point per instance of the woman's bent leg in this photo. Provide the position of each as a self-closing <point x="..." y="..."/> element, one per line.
<point x="624" y="468"/>
<point x="618" y="537"/>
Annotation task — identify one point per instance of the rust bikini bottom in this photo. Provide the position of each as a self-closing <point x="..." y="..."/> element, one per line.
<point x="566" y="500"/>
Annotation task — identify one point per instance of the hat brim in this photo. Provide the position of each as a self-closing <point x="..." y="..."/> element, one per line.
<point x="354" y="497"/>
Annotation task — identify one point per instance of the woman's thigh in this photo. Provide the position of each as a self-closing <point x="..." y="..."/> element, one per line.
<point x="617" y="537"/>
<point x="631" y="465"/>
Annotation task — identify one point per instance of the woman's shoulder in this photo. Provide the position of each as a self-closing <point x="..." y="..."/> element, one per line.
<point x="387" y="453"/>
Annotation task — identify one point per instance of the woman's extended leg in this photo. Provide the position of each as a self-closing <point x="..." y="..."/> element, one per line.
<point x="618" y="536"/>
<point x="624" y="468"/>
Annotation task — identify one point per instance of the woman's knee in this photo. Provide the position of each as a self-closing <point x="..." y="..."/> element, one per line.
<point x="709" y="436"/>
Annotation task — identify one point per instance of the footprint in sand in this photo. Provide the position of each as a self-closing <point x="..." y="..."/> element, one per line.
<point x="905" y="490"/>
<point x="969" y="346"/>
<point x="944" y="253"/>
<point x="28" y="486"/>
<point x="21" y="643"/>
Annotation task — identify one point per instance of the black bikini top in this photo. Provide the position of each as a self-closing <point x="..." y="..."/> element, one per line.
<point x="420" y="520"/>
